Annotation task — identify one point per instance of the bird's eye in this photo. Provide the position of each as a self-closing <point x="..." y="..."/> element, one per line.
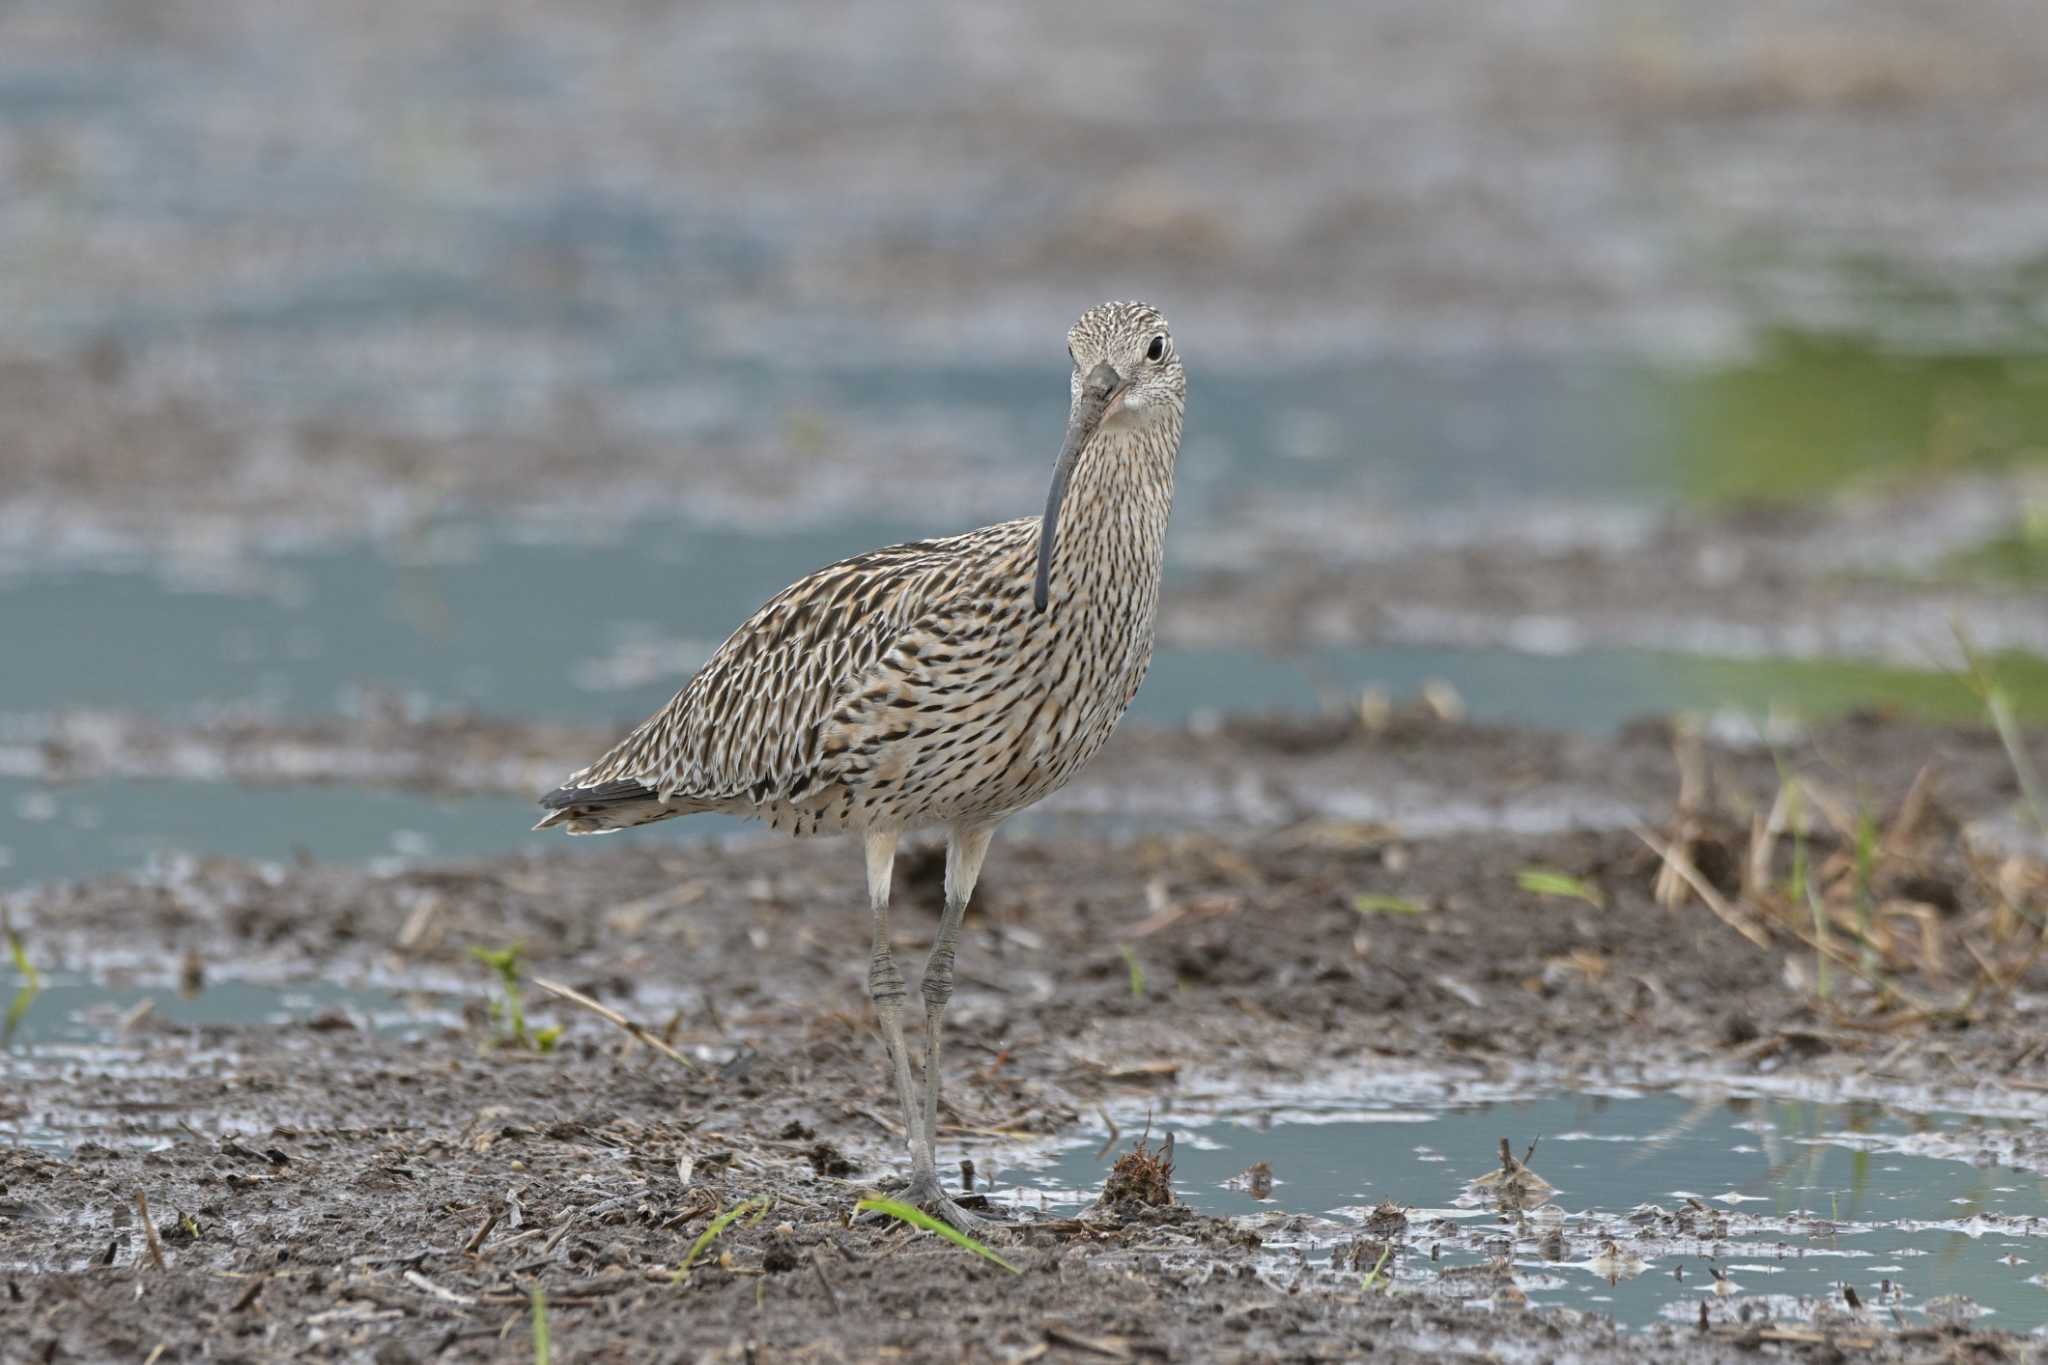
<point x="1157" y="351"/>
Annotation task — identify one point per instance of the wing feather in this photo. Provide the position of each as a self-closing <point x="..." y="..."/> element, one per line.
<point x="753" y="724"/>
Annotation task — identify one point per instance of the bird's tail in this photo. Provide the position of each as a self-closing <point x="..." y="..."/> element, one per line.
<point x="608" y="807"/>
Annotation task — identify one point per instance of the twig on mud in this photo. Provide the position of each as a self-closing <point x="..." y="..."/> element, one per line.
<point x="1881" y="985"/>
<point x="638" y="1031"/>
<point x="1713" y="899"/>
<point x="248" y="1298"/>
<point x="1109" y="1348"/>
<point x="470" y="1247"/>
<point x="156" y="1246"/>
<point x="824" y="1282"/>
<point x="892" y="1129"/>
<point x="569" y="1220"/>
<point x="421" y="1282"/>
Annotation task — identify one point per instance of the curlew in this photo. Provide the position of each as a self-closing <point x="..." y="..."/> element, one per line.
<point x="941" y="684"/>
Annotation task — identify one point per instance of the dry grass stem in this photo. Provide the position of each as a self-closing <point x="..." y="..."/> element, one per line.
<point x="155" y="1243"/>
<point x="1712" y="899"/>
<point x="639" y="1032"/>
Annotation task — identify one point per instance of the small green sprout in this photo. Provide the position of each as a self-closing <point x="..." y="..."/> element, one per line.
<point x="1544" y="881"/>
<point x="1366" y="903"/>
<point x="1137" y="971"/>
<point x="756" y="1206"/>
<point x="510" y="1008"/>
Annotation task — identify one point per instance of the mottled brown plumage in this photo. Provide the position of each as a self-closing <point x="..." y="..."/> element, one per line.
<point x="916" y="685"/>
<point x="946" y="682"/>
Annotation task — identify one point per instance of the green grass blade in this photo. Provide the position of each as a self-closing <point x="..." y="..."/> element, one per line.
<point x="1365" y="1286"/>
<point x="1866" y="877"/>
<point x="1823" y="982"/>
<point x="918" y="1218"/>
<point x="1365" y="903"/>
<point x="541" y="1347"/>
<point x="2008" y="727"/>
<point x="18" y="952"/>
<point x="17" y="1010"/>
<point x="1544" y="881"/>
<point x="1137" y="971"/>
<point x="710" y="1234"/>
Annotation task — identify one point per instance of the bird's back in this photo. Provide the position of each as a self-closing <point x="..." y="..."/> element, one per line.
<point x="774" y="722"/>
<point x="911" y="686"/>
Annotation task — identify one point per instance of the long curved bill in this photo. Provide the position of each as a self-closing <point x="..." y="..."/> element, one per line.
<point x="1098" y="391"/>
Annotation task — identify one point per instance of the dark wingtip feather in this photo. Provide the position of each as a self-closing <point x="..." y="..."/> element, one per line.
<point x="603" y="794"/>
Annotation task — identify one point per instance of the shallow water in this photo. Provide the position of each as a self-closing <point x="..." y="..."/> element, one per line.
<point x="510" y="627"/>
<point x="510" y="631"/>
<point x="505" y="625"/>
<point x="69" y="1014"/>
<point x="1904" y="1208"/>
<point x="50" y="832"/>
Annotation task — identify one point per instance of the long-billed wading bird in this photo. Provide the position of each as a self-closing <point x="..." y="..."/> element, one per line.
<point x="945" y="683"/>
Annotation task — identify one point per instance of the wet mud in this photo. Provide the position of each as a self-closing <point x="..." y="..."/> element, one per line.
<point x="327" y="1187"/>
<point x="1867" y="575"/>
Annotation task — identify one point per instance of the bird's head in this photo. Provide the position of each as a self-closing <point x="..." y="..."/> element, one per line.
<point x="1127" y="377"/>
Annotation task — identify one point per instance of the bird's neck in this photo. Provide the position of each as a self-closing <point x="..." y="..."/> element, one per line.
<point x="1113" y="523"/>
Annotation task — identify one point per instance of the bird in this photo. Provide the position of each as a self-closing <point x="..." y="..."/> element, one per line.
<point x="940" y="684"/>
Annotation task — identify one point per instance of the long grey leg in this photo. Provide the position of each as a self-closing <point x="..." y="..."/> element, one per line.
<point x="885" y="983"/>
<point x="964" y="851"/>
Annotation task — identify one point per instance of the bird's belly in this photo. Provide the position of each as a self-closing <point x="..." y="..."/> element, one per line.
<point x="1008" y="749"/>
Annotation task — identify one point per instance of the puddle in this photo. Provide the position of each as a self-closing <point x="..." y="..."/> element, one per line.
<point x="51" y="832"/>
<point x="68" y="1024"/>
<point x="74" y="1015"/>
<point x="1790" y="1200"/>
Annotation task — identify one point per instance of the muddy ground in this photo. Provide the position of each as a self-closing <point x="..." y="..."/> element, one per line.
<point x="345" y="1192"/>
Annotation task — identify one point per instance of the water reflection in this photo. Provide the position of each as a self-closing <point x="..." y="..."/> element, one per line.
<point x="1656" y="1193"/>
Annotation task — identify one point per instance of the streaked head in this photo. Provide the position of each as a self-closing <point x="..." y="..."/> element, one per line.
<point x="1127" y="373"/>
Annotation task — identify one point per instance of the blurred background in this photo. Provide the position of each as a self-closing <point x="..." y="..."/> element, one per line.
<point x="395" y="400"/>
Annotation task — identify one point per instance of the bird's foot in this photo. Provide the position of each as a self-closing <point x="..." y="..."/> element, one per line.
<point x="924" y="1192"/>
